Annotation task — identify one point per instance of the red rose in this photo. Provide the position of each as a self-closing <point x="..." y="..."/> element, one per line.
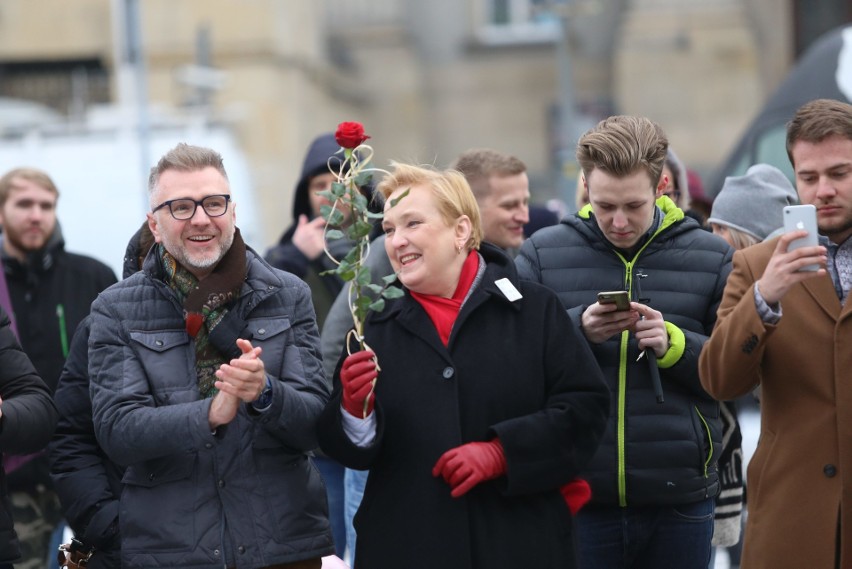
<point x="350" y="134"/>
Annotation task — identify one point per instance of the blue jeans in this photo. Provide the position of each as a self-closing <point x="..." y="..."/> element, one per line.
<point x="354" y="482"/>
<point x="332" y="475"/>
<point x="646" y="537"/>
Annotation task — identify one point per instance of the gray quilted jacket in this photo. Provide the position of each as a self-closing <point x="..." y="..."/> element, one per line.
<point x="247" y="496"/>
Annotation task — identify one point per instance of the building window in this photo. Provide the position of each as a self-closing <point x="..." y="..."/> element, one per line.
<point x="66" y="86"/>
<point x="519" y="21"/>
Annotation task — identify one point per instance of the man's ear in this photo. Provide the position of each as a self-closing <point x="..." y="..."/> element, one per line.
<point x="152" y="225"/>
<point x="661" y="185"/>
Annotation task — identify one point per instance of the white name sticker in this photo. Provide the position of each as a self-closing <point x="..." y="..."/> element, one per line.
<point x="508" y="289"/>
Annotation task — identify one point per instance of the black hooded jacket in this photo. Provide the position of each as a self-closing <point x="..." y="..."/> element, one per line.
<point x="51" y="294"/>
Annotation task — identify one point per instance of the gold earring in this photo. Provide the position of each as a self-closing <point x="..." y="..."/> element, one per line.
<point x="458" y="249"/>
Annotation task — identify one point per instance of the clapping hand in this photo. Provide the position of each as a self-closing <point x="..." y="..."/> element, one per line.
<point x="242" y="379"/>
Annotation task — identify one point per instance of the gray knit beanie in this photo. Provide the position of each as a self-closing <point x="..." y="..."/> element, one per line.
<point x="754" y="203"/>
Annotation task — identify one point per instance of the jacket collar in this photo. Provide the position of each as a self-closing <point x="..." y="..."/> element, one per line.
<point x="667" y="217"/>
<point x="411" y="316"/>
<point x="260" y="276"/>
<point x="39" y="261"/>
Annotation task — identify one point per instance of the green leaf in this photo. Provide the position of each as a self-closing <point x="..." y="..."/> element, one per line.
<point x="363" y="276"/>
<point x="392" y="292"/>
<point x="374" y="288"/>
<point x="359" y="202"/>
<point x="353" y="256"/>
<point x="334" y="217"/>
<point x="375" y="215"/>
<point x="388" y="279"/>
<point x="363" y="178"/>
<point x="378" y="305"/>
<point x="334" y="234"/>
<point x="359" y="229"/>
<point x="346" y="275"/>
<point x="337" y="191"/>
<point x="363" y="302"/>
<point x="395" y="200"/>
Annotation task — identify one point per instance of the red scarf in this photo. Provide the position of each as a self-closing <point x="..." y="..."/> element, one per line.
<point x="443" y="311"/>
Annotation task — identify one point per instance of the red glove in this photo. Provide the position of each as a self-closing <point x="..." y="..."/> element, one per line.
<point x="356" y="377"/>
<point x="576" y="493"/>
<point x="466" y="466"/>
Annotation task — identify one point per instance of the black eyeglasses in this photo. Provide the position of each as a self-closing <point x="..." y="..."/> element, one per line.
<point x="184" y="208"/>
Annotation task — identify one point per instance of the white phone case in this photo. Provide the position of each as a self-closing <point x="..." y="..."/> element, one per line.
<point x="798" y="217"/>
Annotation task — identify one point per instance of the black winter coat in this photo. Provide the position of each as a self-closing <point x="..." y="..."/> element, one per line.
<point x="652" y="453"/>
<point x="51" y="294"/>
<point x="28" y="419"/>
<point x="514" y="370"/>
<point x="87" y="482"/>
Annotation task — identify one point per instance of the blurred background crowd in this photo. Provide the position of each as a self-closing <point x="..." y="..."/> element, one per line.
<point x="91" y="90"/>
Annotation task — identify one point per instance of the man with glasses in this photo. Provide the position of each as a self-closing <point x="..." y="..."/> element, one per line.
<point x="207" y="383"/>
<point x="654" y="475"/>
<point x="50" y="290"/>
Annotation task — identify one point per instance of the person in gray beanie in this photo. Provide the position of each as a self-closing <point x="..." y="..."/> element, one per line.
<point x="746" y="211"/>
<point x="749" y="208"/>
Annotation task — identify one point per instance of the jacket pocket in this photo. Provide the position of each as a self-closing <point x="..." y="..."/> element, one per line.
<point x="165" y="354"/>
<point x="757" y="468"/>
<point x="706" y="448"/>
<point x="272" y="335"/>
<point x="291" y="496"/>
<point x="149" y="487"/>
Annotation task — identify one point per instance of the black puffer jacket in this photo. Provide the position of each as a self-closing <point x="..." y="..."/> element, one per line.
<point x="651" y="453"/>
<point x="28" y="419"/>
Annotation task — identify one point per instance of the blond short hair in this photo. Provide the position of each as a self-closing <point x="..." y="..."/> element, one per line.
<point x="620" y="145"/>
<point x="478" y="165"/>
<point x="449" y="188"/>
<point x="34" y="175"/>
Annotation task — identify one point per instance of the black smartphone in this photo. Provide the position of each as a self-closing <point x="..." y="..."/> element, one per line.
<point x="618" y="297"/>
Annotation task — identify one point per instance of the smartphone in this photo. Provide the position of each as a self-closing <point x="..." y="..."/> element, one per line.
<point x="618" y="297"/>
<point x="798" y="217"/>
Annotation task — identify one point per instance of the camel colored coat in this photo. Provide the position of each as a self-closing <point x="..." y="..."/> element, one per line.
<point x="800" y="478"/>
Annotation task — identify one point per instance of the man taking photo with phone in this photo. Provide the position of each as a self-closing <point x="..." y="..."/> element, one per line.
<point x="789" y="330"/>
<point x="654" y="475"/>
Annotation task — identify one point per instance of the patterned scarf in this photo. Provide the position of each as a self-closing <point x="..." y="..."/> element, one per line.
<point x="205" y="303"/>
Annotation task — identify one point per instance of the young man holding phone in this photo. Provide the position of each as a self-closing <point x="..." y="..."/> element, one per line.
<point x="789" y="330"/>
<point x="654" y="475"/>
